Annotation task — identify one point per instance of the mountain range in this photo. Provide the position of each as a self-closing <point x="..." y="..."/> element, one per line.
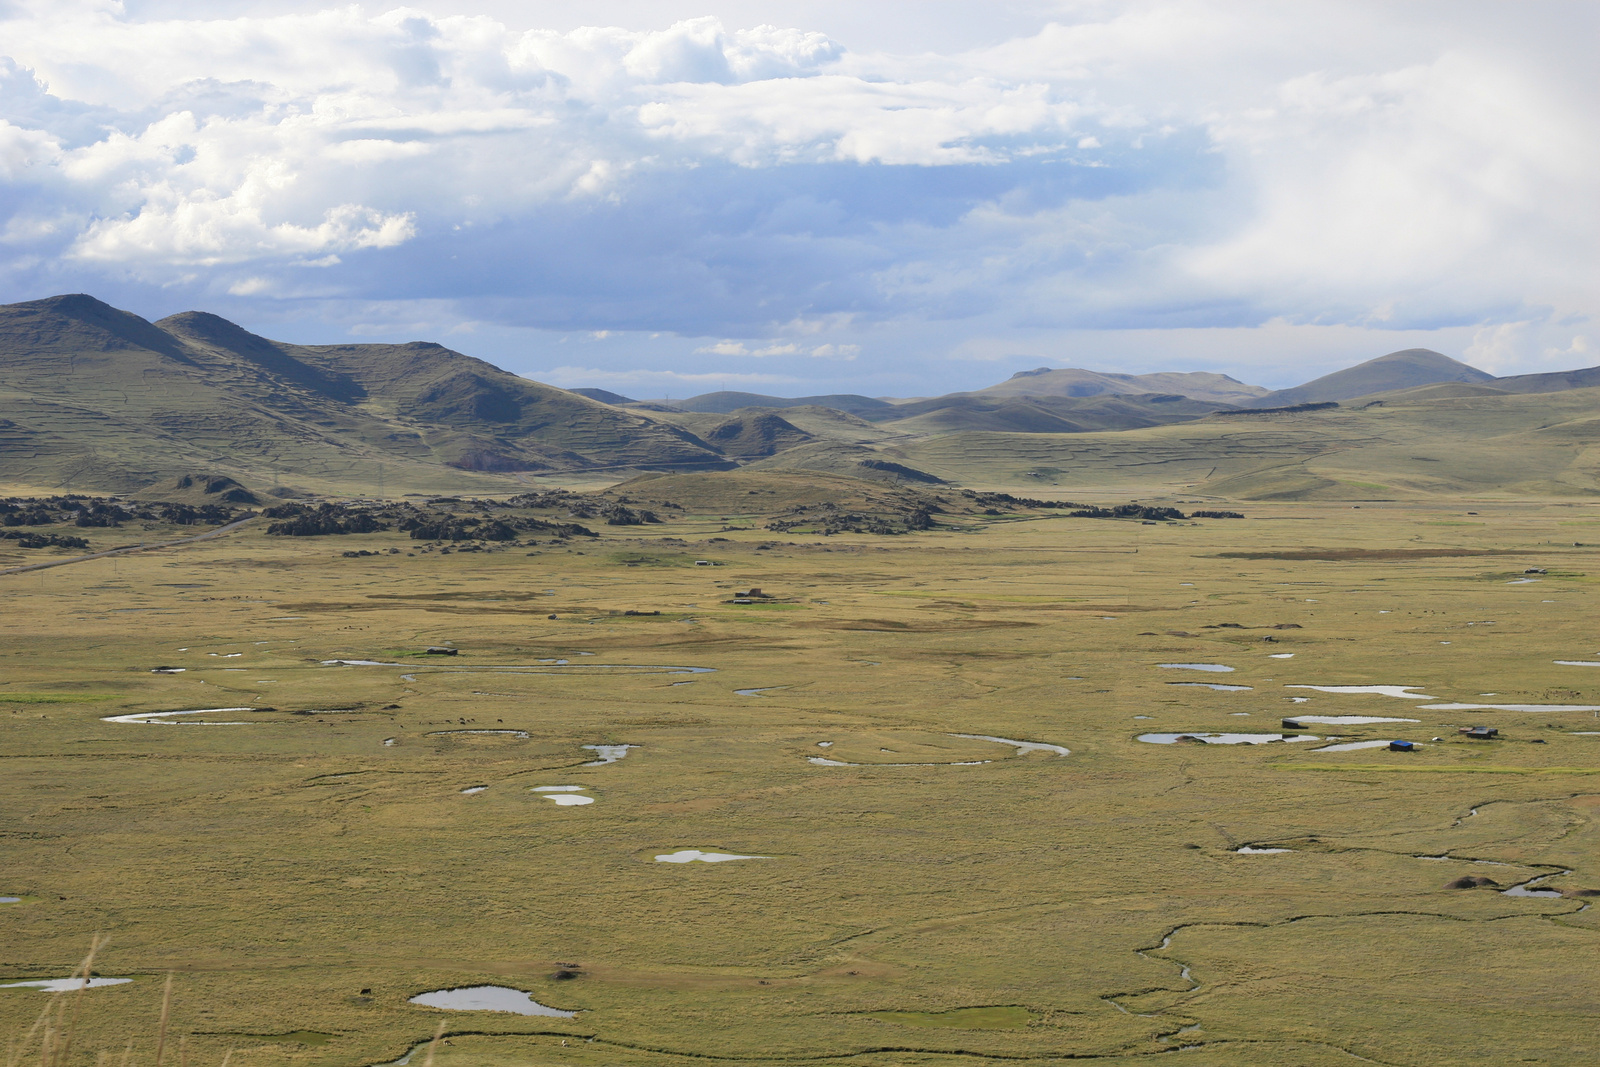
<point x="97" y="399"/>
<point x="94" y="397"/>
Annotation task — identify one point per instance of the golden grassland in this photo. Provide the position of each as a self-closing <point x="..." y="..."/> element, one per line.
<point x="301" y="879"/>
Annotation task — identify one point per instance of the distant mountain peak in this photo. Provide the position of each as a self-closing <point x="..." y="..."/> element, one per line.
<point x="1405" y="369"/>
<point x="1079" y="382"/>
<point x="67" y="317"/>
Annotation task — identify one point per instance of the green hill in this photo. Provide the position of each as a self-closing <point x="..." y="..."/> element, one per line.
<point x="1397" y="370"/>
<point x="727" y="402"/>
<point x="93" y="398"/>
<point x="1441" y="440"/>
<point x="1044" y="414"/>
<point x="1552" y="382"/>
<point x="754" y="435"/>
<point x="1075" y="382"/>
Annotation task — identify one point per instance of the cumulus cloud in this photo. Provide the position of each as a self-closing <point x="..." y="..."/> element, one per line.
<point x="1148" y="164"/>
<point x="788" y="348"/>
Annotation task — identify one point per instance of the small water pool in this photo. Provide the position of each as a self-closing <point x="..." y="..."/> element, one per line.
<point x="1401" y="691"/>
<point x="1213" y="667"/>
<point x="166" y="718"/>
<point x="1353" y="746"/>
<point x="487" y="998"/>
<point x="1347" y="720"/>
<point x="607" y="754"/>
<point x="1511" y="707"/>
<point x="521" y="735"/>
<point x="1022" y="747"/>
<point x="1224" y="739"/>
<point x="694" y="855"/>
<point x="1532" y="888"/>
<point x="565" y="796"/>
<point x="63" y="985"/>
<point x="1218" y="686"/>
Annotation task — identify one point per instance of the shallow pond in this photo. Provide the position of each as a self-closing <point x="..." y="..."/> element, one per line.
<point x="487" y="998"/>
<point x="1577" y="663"/>
<point x="164" y="718"/>
<point x="607" y="754"/>
<point x="521" y="735"/>
<point x="565" y="796"/>
<point x="1401" y="691"/>
<point x="1347" y="720"/>
<point x="1352" y="746"/>
<point x="758" y="692"/>
<point x="10" y="900"/>
<point x="1022" y="747"/>
<point x="472" y="789"/>
<point x="692" y="855"/>
<point x="1281" y="655"/>
<point x="1248" y="850"/>
<point x="1224" y="739"/>
<point x="63" y="985"/>
<point x="1511" y="707"/>
<point x="1218" y="686"/>
<point x="1213" y="667"/>
<point x="1531" y="888"/>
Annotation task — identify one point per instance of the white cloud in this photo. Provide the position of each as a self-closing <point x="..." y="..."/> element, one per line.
<point x="1527" y="346"/>
<point x="1151" y="164"/>
<point x="187" y="230"/>
<point x="738" y="348"/>
<point x="784" y="348"/>
<point x="25" y="153"/>
<point x="832" y="351"/>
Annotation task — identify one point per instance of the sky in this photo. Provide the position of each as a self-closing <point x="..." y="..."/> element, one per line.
<point x="668" y="197"/>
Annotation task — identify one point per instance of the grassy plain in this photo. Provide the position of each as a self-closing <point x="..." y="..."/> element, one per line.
<point x="303" y="878"/>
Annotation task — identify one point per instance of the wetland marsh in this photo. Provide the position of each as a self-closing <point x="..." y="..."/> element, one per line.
<point x="382" y="852"/>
